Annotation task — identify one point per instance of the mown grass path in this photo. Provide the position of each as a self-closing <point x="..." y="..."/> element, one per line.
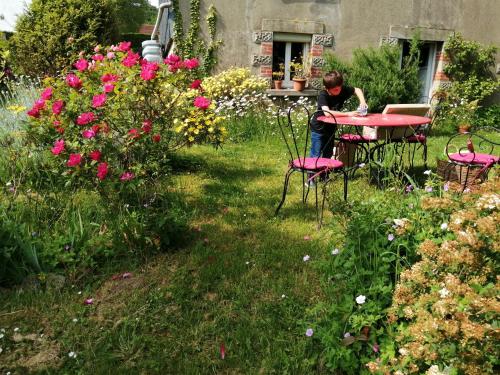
<point x="238" y="280"/>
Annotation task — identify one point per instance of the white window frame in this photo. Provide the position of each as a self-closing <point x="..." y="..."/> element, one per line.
<point x="287" y="81"/>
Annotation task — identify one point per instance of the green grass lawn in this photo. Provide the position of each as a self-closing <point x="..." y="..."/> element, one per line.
<point x="238" y="280"/>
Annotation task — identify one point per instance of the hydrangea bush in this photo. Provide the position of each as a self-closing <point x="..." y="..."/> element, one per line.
<point x="112" y="116"/>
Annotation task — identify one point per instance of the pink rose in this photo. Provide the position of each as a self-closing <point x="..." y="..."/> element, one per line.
<point x="172" y="59"/>
<point x="39" y="104"/>
<point x="81" y="65"/>
<point x="34" y="112"/>
<point x="131" y="59"/>
<point x="108" y="77"/>
<point x="147" y="74"/>
<point x="134" y="133"/>
<point x="124" y="46"/>
<point x="73" y="81"/>
<point x="126" y="176"/>
<point x="57" y="107"/>
<point x="97" y="48"/>
<point x="46" y="94"/>
<point x="110" y="55"/>
<point x="74" y="160"/>
<point x="156" y="138"/>
<point x="95" y="155"/>
<point x="98" y="57"/>
<point x="89" y="133"/>
<point x="196" y="84"/>
<point x="202" y="102"/>
<point x="147" y="125"/>
<point x="58" y="147"/>
<point x="109" y="87"/>
<point x="102" y="171"/>
<point x="98" y="100"/>
<point x="85" y="118"/>
<point x="191" y="63"/>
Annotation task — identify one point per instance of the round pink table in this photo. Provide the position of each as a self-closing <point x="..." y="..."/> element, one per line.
<point x="377" y="119"/>
<point x="407" y="125"/>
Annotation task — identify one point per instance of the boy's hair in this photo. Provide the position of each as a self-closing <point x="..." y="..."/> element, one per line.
<point x="333" y="79"/>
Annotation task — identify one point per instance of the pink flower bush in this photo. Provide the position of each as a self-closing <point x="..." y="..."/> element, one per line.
<point x="147" y="126"/>
<point x="47" y="93"/>
<point x="89" y="133"/>
<point x="74" y="160"/>
<point x="81" y="65"/>
<point x="98" y="100"/>
<point x="106" y="106"/>
<point x="73" y="81"/>
<point x="108" y="87"/>
<point x="191" y="63"/>
<point x="85" y="118"/>
<point x="58" y="147"/>
<point x="202" y="102"/>
<point x="102" y="171"/>
<point x="127" y="176"/>
<point x="131" y="59"/>
<point x="196" y="84"/>
<point x="57" y="107"/>
<point x="95" y="155"/>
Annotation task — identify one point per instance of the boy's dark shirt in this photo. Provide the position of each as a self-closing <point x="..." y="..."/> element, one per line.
<point x="334" y="102"/>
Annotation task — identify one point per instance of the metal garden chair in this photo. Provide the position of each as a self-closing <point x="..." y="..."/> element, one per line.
<point x="316" y="172"/>
<point x="475" y="152"/>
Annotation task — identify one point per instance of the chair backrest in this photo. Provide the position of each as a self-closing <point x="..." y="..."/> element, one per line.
<point x="295" y="128"/>
<point x="293" y="123"/>
<point x="484" y="140"/>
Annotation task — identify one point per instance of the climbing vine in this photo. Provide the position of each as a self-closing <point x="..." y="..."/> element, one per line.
<point x="209" y="58"/>
<point x="191" y="45"/>
<point x="178" y="28"/>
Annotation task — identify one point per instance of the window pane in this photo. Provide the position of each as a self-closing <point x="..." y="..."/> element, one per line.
<point x="297" y="50"/>
<point x="278" y="55"/>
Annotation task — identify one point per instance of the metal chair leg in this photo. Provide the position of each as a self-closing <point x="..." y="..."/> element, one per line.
<point x="285" y="188"/>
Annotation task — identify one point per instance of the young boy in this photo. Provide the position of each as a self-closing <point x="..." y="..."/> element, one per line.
<point x="331" y="99"/>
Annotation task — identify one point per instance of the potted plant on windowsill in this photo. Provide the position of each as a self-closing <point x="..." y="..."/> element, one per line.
<point x="278" y="77"/>
<point x="299" y="75"/>
<point x="464" y="112"/>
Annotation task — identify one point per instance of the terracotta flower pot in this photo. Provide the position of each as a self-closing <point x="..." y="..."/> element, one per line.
<point x="299" y="84"/>
<point x="278" y="85"/>
<point x="464" y="128"/>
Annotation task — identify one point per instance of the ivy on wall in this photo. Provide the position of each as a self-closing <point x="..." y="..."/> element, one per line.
<point x="192" y="44"/>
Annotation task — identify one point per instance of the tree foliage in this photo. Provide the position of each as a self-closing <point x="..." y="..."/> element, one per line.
<point x="50" y="34"/>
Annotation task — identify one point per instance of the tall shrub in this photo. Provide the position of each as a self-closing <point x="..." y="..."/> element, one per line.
<point x="380" y="74"/>
<point x="50" y="34"/>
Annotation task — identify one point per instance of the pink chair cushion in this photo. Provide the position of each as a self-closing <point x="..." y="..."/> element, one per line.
<point x="355" y="138"/>
<point x="470" y="158"/>
<point x="417" y="138"/>
<point x="314" y="164"/>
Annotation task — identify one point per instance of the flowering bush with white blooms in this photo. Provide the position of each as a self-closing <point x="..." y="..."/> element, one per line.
<point x="113" y="115"/>
<point x="445" y="308"/>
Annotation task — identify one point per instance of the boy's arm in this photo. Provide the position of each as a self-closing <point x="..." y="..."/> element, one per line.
<point x="361" y="97"/>
<point x="330" y="113"/>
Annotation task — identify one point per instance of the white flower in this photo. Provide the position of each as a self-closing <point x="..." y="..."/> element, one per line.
<point x="347" y="334"/>
<point x="361" y="299"/>
<point x="335" y="251"/>
<point x="1" y="335"/>
<point x="283" y="296"/>
<point x="444" y="226"/>
<point x="75" y="320"/>
<point x="1" y="350"/>
<point x="427" y="172"/>
<point x="444" y="293"/>
<point x="306" y="258"/>
<point x="16" y="329"/>
<point x="247" y="262"/>
<point x="403" y="351"/>
<point x="72" y="355"/>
